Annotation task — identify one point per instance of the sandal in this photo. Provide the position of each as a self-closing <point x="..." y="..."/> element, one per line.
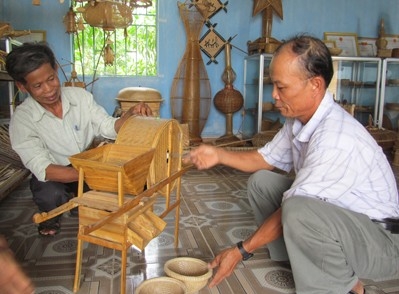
<point x="49" y="230"/>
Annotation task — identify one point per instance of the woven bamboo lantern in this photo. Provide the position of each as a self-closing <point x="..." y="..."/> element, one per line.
<point x="108" y="15"/>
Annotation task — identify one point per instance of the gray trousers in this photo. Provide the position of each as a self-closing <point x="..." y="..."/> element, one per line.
<point x="329" y="247"/>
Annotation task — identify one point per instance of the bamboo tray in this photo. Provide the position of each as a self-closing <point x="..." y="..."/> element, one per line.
<point x="102" y="166"/>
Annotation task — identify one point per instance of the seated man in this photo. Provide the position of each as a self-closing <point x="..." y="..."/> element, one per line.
<point x="326" y="219"/>
<point x="52" y="124"/>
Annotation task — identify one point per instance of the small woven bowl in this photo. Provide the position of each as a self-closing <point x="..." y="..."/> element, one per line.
<point x="193" y="272"/>
<point x="161" y="285"/>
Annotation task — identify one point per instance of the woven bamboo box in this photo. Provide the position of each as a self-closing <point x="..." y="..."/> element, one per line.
<point x="102" y="165"/>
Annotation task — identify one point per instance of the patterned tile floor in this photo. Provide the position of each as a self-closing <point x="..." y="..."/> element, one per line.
<point x="214" y="215"/>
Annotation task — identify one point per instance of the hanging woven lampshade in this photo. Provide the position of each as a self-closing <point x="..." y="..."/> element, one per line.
<point x="70" y="21"/>
<point x="108" y="15"/>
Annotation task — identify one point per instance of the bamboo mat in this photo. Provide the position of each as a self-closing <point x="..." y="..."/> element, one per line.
<point x="12" y="171"/>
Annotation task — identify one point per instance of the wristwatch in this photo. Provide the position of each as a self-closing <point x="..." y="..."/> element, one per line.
<point x="245" y="255"/>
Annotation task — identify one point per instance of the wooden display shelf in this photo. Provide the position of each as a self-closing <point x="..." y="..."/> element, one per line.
<point x="4" y="76"/>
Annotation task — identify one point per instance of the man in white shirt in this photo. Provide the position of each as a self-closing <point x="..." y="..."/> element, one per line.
<point x="324" y="221"/>
<point x="52" y="124"/>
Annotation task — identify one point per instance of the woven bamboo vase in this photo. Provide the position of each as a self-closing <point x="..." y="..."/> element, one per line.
<point x="191" y="90"/>
<point x="228" y="100"/>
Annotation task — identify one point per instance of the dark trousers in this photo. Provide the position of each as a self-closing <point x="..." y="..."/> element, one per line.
<point x="49" y="195"/>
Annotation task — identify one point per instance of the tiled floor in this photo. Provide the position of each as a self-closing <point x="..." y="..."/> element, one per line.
<point x="214" y="215"/>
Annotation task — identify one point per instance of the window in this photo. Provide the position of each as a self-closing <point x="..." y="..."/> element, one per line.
<point x="134" y="48"/>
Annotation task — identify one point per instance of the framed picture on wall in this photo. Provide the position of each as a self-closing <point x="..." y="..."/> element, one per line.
<point x="34" y="36"/>
<point x="392" y="41"/>
<point x="367" y="47"/>
<point x="346" y="41"/>
<point x="330" y="43"/>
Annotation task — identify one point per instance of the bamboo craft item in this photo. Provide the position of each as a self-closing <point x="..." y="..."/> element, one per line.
<point x="129" y="97"/>
<point x="117" y="212"/>
<point x="191" y="90"/>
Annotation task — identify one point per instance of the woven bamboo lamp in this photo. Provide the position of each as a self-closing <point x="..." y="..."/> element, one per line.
<point x="228" y="100"/>
<point x="108" y="15"/>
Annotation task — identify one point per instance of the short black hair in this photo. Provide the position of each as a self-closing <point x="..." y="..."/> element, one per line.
<point x="28" y="57"/>
<point x="314" y="56"/>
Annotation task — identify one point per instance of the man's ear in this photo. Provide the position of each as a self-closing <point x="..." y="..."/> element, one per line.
<point x="21" y="87"/>
<point x="317" y="83"/>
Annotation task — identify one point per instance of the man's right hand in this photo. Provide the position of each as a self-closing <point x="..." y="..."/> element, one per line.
<point x="203" y="157"/>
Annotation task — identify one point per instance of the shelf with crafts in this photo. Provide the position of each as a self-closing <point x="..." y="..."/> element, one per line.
<point x="356" y="86"/>
<point x="258" y="97"/>
<point x="389" y="104"/>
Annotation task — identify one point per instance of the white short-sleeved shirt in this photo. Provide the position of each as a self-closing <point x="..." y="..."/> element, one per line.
<point x="40" y="138"/>
<point x="336" y="160"/>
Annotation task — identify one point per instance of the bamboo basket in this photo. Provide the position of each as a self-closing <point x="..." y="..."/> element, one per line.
<point x="165" y="136"/>
<point x="101" y="166"/>
<point x="193" y="272"/>
<point x="161" y="285"/>
<point x="260" y="139"/>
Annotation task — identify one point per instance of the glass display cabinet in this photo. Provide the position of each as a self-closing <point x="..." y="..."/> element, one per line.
<point x="389" y="104"/>
<point x="356" y="83"/>
<point x="356" y="86"/>
<point x="257" y="95"/>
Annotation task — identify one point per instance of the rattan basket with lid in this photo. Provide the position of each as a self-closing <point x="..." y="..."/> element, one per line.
<point x="131" y="96"/>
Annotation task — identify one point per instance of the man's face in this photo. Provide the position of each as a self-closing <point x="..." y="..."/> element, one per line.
<point x="43" y="85"/>
<point x="293" y="91"/>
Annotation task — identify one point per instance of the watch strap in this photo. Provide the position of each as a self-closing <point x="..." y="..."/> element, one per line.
<point x="245" y="255"/>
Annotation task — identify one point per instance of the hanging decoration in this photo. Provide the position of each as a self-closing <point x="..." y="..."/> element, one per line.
<point x="266" y="43"/>
<point x="209" y="8"/>
<point x="109" y="55"/>
<point x="111" y="14"/>
<point x="212" y="43"/>
<point x="108" y="15"/>
<point x="70" y="21"/>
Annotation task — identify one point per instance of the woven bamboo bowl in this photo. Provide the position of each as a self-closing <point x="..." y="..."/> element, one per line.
<point x="162" y="285"/>
<point x="193" y="272"/>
